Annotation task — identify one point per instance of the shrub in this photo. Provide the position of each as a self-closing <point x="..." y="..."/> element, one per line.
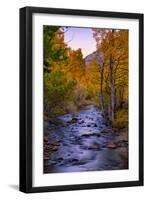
<point x="57" y="92"/>
<point x="121" y="119"/>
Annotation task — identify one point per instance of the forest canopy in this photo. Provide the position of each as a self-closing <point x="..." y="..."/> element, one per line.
<point x="71" y="83"/>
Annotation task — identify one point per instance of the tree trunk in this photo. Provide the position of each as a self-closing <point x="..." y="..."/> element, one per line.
<point x="112" y="90"/>
<point x="101" y="88"/>
<point x="111" y="80"/>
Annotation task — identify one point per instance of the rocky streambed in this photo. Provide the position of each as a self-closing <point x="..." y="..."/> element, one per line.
<point x="84" y="142"/>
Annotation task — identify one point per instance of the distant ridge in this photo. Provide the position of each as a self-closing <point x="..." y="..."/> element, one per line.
<point x="92" y="56"/>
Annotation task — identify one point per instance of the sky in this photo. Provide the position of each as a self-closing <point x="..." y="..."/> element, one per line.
<point x="80" y="38"/>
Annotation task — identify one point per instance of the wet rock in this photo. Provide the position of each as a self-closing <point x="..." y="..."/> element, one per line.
<point x="111" y="146"/>
<point x="63" y="125"/>
<point x="91" y="118"/>
<point x="48" y="147"/>
<point x="57" y="144"/>
<point x="59" y="141"/>
<point x="54" y="149"/>
<point x="46" y="157"/>
<point x="78" y="142"/>
<point x="91" y="134"/>
<point x="83" y="147"/>
<point x="106" y="123"/>
<point x="107" y="130"/>
<point x="60" y="159"/>
<point x="83" y="125"/>
<point x="74" y="160"/>
<point x="55" y="122"/>
<point x="122" y="143"/>
<point x="53" y="144"/>
<point x="77" y="139"/>
<point x="74" y="120"/>
<point x="81" y="162"/>
<point x="86" y="135"/>
<point x="53" y="162"/>
<point x="51" y="148"/>
<point x="115" y="130"/>
<point x="95" y="125"/>
<point x="81" y="122"/>
<point x="103" y="115"/>
<point x="94" y="146"/>
<point x="45" y="139"/>
<point x="124" y="140"/>
<point x="64" y="144"/>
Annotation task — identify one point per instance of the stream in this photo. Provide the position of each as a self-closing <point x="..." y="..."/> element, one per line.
<point x="84" y="142"/>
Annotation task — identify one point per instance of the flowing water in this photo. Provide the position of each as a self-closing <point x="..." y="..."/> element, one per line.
<point x="84" y="142"/>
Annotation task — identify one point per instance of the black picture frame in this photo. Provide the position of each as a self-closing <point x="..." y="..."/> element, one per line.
<point x="26" y="170"/>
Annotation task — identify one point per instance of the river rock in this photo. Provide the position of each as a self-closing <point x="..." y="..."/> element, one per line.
<point x="55" y="122"/>
<point x="74" y="160"/>
<point x="122" y="143"/>
<point x="81" y="122"/>
<point x="45" y="139"/>
<point x="46" y="157"/>
<point x="111" y="146"/>
<point x="107" y="130"/>
<point x="60" y="159"/>
<point x="94" y="146"/>
<point x="95" y="125"/>
<point x="54" y="149"/>
<point x="86" y="135"/>
<point x="74" y="120"/>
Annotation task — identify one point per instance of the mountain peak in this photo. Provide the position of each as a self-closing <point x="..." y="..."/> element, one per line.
<point x="88" y="59"/>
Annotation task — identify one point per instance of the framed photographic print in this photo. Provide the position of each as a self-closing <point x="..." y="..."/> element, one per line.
<point x="81" y="99"/>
